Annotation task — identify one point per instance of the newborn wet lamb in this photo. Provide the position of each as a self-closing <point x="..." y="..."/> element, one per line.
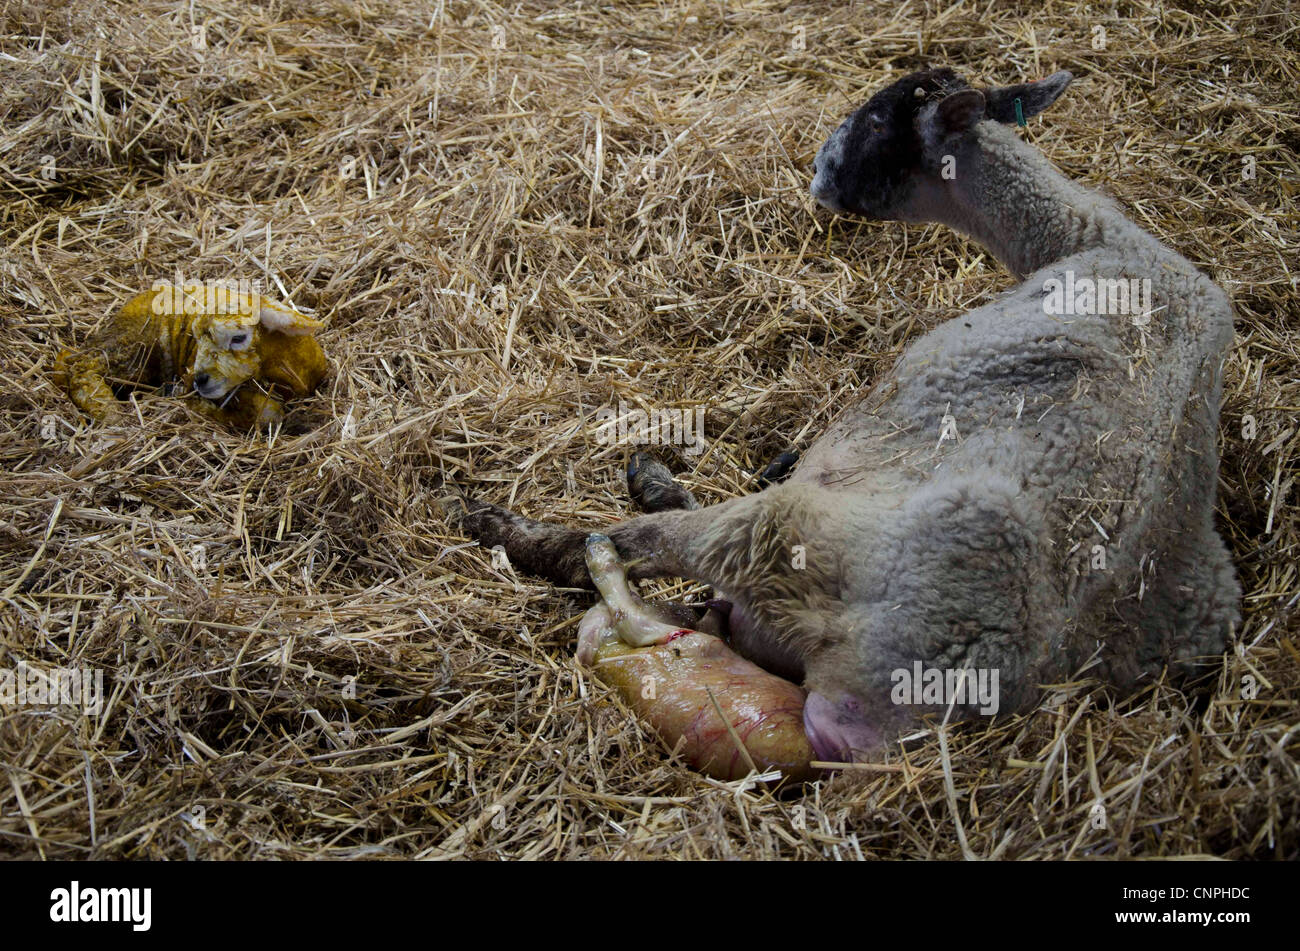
<point x="1029" y="492"/>
<point x="242" y="354"/>
<point x="725" y="715"/>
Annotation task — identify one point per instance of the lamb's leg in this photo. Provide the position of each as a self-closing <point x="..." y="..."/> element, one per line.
<point x="82" y="376"/>
<point x="253" y="409"/>
<point x="636" y="622"/>
<point x="248" y="408"/>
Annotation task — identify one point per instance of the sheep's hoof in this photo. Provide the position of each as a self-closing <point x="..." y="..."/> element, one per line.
<point x="653" y="488"/>
<point x="779" y="469"/>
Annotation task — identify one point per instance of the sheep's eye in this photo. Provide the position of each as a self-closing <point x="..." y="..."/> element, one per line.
<point x="238" y="341"/>
<point x="877" y="127"/>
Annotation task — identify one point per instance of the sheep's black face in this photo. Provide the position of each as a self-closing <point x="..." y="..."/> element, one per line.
<point x="869" y="165"/>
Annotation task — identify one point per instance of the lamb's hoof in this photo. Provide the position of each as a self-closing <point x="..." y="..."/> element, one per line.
<point x="602" y="556"/>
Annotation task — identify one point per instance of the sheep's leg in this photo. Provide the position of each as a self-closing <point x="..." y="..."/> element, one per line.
<point x="82" y="376"/>
<point x="654" y="489"/>
<point x="650" y="543"/>
<point x="671" y="540"/>
<point x="746" y="548"/>
<point x="558" y="553"/>
<point x="697" y="544"/>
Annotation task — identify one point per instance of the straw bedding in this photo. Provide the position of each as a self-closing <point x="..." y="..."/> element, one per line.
<point x="512" y="215"/>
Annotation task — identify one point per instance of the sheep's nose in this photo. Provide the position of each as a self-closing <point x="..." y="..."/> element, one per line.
<point x="200" y="379"/>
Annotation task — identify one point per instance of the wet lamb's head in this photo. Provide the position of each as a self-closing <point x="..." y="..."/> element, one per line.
<point x="887" y="160"/>
<point x="229" y="347"/>
<point x="226" y="353"/>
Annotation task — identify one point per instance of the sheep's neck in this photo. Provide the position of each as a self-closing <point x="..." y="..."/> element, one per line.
<point x="1029" y="215"/>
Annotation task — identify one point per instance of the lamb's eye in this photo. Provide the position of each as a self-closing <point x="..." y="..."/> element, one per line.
<point x="877" y="127"/>
<point x="239" y="341"/>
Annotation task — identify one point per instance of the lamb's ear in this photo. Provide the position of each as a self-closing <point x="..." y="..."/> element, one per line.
<point x="276" y="317"/>
<point x="956" y="114"/>
<point x="1034" y="97"/>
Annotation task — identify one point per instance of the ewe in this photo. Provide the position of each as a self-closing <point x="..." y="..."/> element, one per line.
<point x="1029" y="493"/>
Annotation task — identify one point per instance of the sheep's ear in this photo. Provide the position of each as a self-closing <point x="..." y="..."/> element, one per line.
<point x="958" y="113"/>
<point x="278" y="318"/>
<point x="1034" y="97"/>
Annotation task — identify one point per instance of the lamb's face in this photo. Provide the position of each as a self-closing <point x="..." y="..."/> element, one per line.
<point x="872" y="164"/>
<point x="227" y="353"/>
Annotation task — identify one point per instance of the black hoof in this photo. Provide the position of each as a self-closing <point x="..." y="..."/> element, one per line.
<point x="652" y="486"/>
<point x="779" y="469"/>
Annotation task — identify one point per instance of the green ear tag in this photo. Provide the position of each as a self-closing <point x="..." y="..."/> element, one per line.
<point x="1020" y="113"/>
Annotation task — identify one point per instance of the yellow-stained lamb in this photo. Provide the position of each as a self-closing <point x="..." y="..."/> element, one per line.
<point x="242" y="353"/>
